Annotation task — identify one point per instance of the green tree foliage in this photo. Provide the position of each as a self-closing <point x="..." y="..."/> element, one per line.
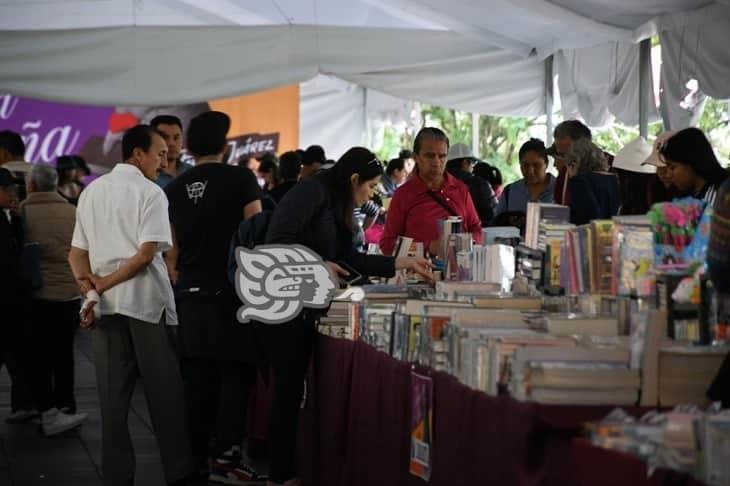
<point x="501" y="137"/>
<point x="715" y="123"/>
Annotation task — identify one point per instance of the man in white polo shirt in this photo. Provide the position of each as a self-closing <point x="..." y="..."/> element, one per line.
<point x="122" y="228"/>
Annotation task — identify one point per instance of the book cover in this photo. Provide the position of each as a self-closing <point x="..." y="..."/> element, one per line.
<point x="421" y="426"/>
<point x="603" y="250"/>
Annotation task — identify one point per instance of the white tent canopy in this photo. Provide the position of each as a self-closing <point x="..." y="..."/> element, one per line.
<point x="482" y="57"/>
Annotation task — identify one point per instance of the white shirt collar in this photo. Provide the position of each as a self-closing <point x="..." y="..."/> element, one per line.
<point x="128" y="168"/>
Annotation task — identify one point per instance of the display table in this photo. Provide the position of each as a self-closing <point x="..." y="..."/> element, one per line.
<point x="354" y="427"/>
<point x="595" y="466"/>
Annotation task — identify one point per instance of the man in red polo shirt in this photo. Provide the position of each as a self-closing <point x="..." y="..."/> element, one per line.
<point x="429" y="195"/>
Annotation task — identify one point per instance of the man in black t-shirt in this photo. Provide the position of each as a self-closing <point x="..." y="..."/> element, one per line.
<point x="206" y="205"/>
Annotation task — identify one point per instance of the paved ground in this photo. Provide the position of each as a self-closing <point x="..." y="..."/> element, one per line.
<point x="27" y="458"/>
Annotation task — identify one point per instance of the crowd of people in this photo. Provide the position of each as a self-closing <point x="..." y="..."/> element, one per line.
<point x="147" y="246"/>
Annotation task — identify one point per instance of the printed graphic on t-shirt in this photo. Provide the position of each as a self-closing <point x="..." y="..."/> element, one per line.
<point x="196" y="190"/>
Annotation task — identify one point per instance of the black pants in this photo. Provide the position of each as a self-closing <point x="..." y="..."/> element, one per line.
<point x="216" y="374"/>
<point x="288" y="349"/>
<point x="217" y="394"/>
<point x="15" y="336"/>
<point x="53" y="326"/>
<point x="20" y="395"/>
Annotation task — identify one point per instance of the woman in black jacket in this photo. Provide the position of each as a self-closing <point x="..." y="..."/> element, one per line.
<point x="317" y="213"/>
<point x="594" y="192"/>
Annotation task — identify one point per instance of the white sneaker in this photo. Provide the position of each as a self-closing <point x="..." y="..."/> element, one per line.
<point x="54" y="422"/>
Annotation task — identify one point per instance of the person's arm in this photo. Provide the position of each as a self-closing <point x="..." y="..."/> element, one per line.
<point x="395" y="223"/>
<point x="501" y="204"/>
<point x="154" y="235"/>
<point x="78" y="255"/>
<point x="139" y="261"/>
<point x="251" y="209"/>
<point x="385" y="266"/>
<point x="472" y="222"/>
<point x="78" y="260"/>
<point x="171" y="256"/>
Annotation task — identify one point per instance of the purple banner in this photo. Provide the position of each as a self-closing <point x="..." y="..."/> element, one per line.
<point x="52" y="129"/>
<point x="94" y="132"/>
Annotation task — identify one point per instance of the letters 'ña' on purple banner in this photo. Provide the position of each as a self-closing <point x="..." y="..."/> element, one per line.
<point x="53" y="129"/>
<point x="95" y="133"/>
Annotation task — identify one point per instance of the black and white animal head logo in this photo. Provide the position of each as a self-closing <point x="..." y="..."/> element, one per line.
<point x="276" y="282"/>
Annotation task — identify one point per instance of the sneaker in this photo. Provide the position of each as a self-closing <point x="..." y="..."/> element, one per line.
<point x="21" y="416"/>
<point x="229" y="469"/>
<point x="54" y="422"/>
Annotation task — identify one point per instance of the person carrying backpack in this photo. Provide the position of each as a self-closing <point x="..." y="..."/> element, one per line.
<point x="207" y="203"/>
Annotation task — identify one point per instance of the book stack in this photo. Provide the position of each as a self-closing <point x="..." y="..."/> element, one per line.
<point x="521" y="303"/>
<point x="342" y="320"/>
<point x="577" y="259"/>
<point x="476" y="352"/>
<point x="551" y="241"/>
<point x="405" y="247"/>
<point x="464" y="291"/>
<point x="575" y="324"/>
<point x="602" y="256"/>
<point x="529" y="265"/>
<point x="491" y="234"/>
<point x="376" y="320"/>
<point x="578" y="375"/>
<point x="490" y="264"/>
<point x="539" y="217"/>
<point x="481" y="356"/>
<point x="633" y="257"/>
<point x="686" y="372"/>
<point x="432" y="342"/>
<point x="376" y="314"/>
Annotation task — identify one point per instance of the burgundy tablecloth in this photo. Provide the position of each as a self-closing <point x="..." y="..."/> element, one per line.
<point x="354" y="428"/>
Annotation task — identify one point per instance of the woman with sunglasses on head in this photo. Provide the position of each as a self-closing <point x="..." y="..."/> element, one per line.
<point x="317" y="213"/>
<point x="692" y="164"/>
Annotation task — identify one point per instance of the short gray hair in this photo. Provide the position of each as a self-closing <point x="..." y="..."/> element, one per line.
<point x="586" y="157"/>
<point x="44" y="178"/>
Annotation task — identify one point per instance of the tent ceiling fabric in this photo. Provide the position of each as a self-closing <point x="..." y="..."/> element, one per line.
<point x="477" y="56"/>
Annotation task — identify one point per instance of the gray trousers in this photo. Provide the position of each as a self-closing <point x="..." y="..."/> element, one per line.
<point x="125" y="349"/>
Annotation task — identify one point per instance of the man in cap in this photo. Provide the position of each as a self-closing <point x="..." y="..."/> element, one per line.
<point x="121" y="230"/>
<point x="207" y="203"/>
<point x="460" y="165"/>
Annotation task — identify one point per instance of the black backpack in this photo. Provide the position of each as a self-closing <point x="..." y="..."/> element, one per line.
<point x="251" y="232"/>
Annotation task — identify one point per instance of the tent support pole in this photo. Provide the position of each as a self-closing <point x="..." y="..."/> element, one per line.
<point x="549" y="100"/>
<point x="366" y="119"/>
<point x="644" y="87"/>
<point x="475" y="135"/>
